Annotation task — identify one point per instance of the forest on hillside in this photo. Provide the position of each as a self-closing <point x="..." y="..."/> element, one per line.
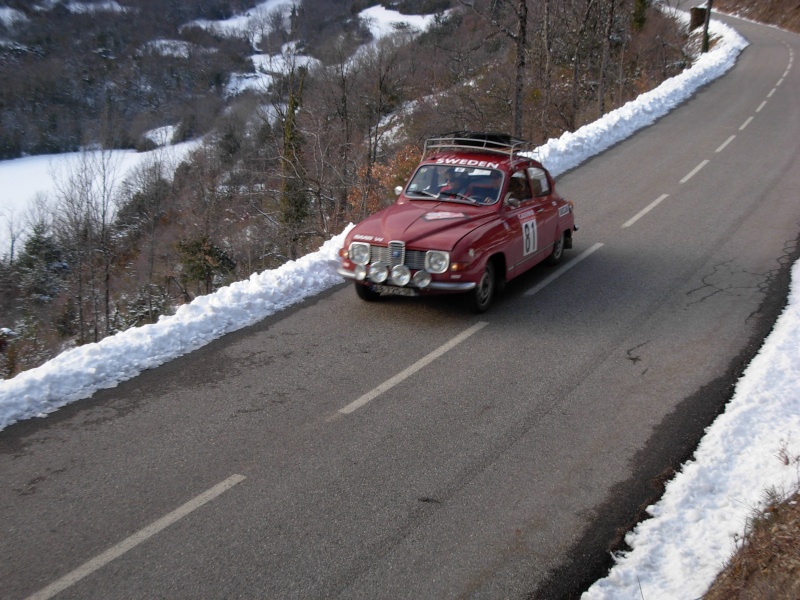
<point x="279" y="168"/>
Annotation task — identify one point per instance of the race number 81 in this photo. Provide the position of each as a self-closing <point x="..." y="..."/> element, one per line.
<point x="529" y="236"/>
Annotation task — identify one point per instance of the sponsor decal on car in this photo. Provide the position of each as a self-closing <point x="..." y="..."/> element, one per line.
<point x="529" y="240"/>
<point x="563" y="211"/>
<point x="468" y="162"/>
<point x="443" y="214"/>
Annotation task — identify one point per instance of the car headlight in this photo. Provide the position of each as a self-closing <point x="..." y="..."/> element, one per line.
<point x="359" y="253"/>
<point x="437" y="261"/>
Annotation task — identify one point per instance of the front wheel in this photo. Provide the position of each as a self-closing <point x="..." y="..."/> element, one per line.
<point x="479" y="299"/>
<point x="558" y="250"/>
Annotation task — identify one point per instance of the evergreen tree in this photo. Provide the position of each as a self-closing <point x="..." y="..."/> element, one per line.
<point x="203" y="262"/>
<point x="40" y="265"/>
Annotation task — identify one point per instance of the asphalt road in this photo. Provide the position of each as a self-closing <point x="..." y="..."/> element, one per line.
<point x="406" y="449"/>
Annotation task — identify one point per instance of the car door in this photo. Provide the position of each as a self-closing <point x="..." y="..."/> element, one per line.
<point x="527" y="219"/>
<point x="545" y="206"/>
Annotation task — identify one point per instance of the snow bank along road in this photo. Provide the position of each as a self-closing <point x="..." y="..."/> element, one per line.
<point x="406" y="449"/>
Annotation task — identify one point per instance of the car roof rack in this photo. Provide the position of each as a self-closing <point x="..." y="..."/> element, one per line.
<point x="497" y="143"/>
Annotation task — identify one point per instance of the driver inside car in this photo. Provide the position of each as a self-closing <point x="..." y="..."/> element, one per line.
<point x="456" y="182"/>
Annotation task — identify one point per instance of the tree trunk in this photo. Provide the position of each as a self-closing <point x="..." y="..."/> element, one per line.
<point x="601" y="87"/>
<point x="521" y="47"/>
<point x="547" y="69"/>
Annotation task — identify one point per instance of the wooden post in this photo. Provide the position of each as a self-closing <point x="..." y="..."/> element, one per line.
<point x="705" y="26"/>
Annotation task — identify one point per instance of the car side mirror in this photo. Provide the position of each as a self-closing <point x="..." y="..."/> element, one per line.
<point x="398" y="190"/>
<point x="511" y="201"/>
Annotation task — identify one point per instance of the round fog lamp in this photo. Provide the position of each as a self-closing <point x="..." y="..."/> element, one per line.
<point x="360" y="272"/>
<point x="378" y="272"/>
<point x="400" y="275"/>
<point x="421" y="279"/>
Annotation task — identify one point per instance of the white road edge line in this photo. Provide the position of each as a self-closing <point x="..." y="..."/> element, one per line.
<point x="746" y="123"/>
<point x="645" y="210"/>
<point x="137" y="538"/>
<point x="408" y="372"/>
<point x="761" y="106"/>
<point x="772" y="91"/>
<point x="694" y="171"/>
<point x="552" y="277"/>
<point x="725" y="144"/>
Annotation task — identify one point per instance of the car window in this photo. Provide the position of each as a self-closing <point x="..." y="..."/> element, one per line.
<point x="518" y="187"/>
<point x="541" y="186"/>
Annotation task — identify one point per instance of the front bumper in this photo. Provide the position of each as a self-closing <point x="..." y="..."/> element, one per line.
<point x="439" y="286"/>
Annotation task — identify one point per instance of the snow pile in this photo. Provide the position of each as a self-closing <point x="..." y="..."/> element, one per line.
<point x="79" y="372"/>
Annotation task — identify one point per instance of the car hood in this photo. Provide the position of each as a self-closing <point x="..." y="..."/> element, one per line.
<point x="434" y="225"/>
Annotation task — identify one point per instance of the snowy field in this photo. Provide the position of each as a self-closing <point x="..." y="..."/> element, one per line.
<point x="675" y="554"/>
<point x="24" y="181"/>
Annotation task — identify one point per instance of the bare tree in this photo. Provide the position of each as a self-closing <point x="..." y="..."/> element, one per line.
<point x="13" y="232"/>
<point x="601" y="80"/>
<point x="518" y="34"/>
<point x="85" y="193"/>
<point x="383" y="76"/>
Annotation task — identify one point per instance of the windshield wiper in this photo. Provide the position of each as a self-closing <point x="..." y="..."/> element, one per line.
<point x="426" y="193"/>
<point x="457" y="195"/>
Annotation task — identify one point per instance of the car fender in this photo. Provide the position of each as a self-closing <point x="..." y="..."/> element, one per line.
<point x="479" y="245"/>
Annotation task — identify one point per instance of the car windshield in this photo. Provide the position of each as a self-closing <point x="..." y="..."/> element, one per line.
<point x="456" y="184"/>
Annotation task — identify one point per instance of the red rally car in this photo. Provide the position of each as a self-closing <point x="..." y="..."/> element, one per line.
<point x="477" y="212"/>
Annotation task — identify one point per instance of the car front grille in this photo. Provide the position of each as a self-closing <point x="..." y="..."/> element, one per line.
<point x="396" y="254"/>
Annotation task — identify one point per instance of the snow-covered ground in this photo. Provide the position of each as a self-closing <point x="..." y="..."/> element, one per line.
<point x="381" y="22"/>
<point x="675" y="554"/>
<point x="23" y="180"/>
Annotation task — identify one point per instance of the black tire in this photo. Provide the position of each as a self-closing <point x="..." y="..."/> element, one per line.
<point x="558" y="250"/>
<point x="480" y="298"/>
<point x="365" y="292"/>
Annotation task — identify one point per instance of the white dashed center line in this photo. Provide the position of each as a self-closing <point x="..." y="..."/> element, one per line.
<point x="406" y="373"/>
<point x="694" y="171"/>
<point x="725" y="144"/>
<point x="137" y="538"/>
<point x="646" y="210"/>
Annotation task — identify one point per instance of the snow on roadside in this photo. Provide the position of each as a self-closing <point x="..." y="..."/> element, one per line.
<point x="79" y="372"/>
<point x="691" y="535"/>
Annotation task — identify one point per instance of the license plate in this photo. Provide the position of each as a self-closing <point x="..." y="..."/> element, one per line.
<point x="390" y="290"/>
